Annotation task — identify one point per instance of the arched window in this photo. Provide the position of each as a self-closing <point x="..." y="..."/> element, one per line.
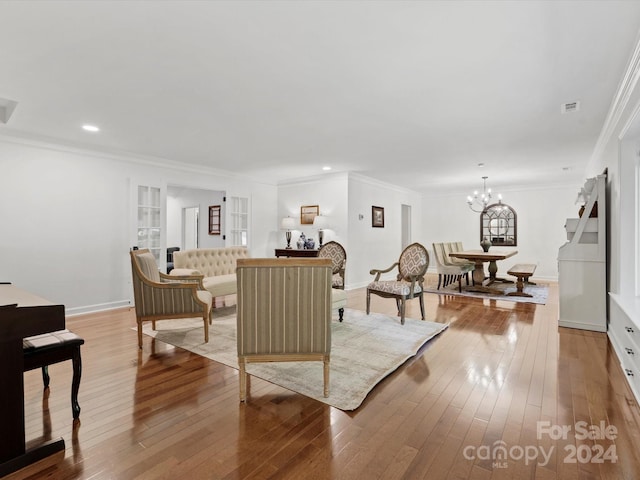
<point x="499" y="223"/>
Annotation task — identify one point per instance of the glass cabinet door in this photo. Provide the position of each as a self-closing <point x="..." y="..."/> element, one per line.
<point x="239" y="215"/>
<point x="149" y="224"/>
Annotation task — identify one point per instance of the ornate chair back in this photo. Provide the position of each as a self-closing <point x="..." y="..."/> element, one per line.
<point x="338" y="256"/>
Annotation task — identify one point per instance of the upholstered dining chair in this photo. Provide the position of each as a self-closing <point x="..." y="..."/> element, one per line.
<point x="338" y="256"/>
<point x="412" y="266"/>
<point x="283" y="313"/>
<point x="449" y="271"/>
<point x="159" y="296"/>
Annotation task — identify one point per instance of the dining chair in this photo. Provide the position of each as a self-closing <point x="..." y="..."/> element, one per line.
<point x="450" y="269"/>
<point x="338" y="256"/>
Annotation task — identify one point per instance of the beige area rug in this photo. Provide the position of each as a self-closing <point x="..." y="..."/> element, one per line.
<point x="364" y="350"/>
<point x="539" y="292"/>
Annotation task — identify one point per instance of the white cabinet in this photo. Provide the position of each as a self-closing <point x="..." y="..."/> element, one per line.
<point x="582" y="263"/>
<point x="239" y="213"/>
<point x="624" y="334"/>
<point x="149" y="219"/>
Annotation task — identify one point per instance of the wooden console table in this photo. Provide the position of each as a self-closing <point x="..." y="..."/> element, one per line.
<point x="23" y="315"/>
<point x="294" y="252"/>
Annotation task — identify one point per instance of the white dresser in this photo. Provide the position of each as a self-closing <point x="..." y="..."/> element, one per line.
<point x="582" y="263"/>
<point x="624" y="334"/>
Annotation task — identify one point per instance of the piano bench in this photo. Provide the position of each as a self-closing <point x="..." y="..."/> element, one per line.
<point x="40" y="351"/>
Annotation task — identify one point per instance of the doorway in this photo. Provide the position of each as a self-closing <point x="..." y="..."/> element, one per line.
<point x="406" y="225"/>
<point x="190" y="217"/>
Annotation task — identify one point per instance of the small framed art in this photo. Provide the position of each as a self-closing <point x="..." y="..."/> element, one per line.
<point x="377" y="217"/>
<point x="308" y="213"/>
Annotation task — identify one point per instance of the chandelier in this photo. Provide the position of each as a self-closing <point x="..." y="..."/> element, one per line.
<point x="479" y="201"/>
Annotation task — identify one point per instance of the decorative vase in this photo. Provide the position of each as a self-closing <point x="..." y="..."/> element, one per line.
<point x="594" y="210"/>
<point x="301" y="241"/>
<point x="485" y="244"/>
<point x="309" y="244"/>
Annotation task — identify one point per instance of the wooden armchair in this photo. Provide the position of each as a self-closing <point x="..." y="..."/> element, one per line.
<point x="409" y="283"/>
<point x="159" y="296"/>
<point x="284" y="312"/>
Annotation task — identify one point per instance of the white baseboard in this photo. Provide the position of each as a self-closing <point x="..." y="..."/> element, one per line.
<point x="100" y="307"/>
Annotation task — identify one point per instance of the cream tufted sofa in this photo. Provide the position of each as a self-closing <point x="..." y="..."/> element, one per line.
<point x="218" y="265"/>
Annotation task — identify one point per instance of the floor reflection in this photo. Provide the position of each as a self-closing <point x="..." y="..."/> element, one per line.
<point x="293" y="416"/>
<point x="152" y="389"/>
<point x="418" y="369"/>
<point x="72" y="464"/>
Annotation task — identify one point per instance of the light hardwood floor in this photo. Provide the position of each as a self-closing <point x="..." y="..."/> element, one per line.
<point x="499" y="370"/>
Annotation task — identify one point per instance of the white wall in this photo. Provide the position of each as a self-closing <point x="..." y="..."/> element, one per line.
<point x="541" y="215"/>
<point x="329" y="192"/>
<point x="619" y="157"/>
<point x="617" y="151"/>
<point x="373" y="247"/>
<point x="342" y="197"/>
<point x="65" y="219"/>
<point x="179" y="198"/>
<point x="623" y="240"/>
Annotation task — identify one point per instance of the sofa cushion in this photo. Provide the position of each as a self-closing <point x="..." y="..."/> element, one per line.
<point x="185" y="271"/>
<point x="221" y="284"/>
<point x="338" y="298"/>
<point x="205" y="297"/>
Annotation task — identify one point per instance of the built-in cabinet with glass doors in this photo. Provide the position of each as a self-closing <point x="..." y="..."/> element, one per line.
<point x="239" y="221"/>
<point x="149" y="225"/>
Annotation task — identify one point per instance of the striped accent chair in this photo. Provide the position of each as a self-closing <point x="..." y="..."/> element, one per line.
<point x="409" y="283"/>
<point x="159" y="296"/>
<point x="284" y="312"/>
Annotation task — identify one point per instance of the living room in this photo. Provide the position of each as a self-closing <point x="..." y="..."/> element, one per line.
<point x="69" y="207"/>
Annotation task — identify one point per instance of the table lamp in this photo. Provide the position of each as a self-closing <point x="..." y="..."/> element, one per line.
<point x="288" y="224"/>
<point x="320" y="222"/>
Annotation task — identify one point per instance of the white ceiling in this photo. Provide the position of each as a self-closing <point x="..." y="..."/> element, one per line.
<point x="412" y="93"/>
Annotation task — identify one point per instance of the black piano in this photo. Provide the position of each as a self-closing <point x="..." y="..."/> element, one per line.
<point x="22" y="314"/>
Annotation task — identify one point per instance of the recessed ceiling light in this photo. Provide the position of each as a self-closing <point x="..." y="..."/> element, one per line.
<point x="481" y="165"/>
<point x="90" y="128"/>
<point x="566" y="169"/>
<point x="326" y="169"/>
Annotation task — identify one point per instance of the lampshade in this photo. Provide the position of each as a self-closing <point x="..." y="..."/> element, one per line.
<point x="288" y="223"/>
<point x="320" y="221"/>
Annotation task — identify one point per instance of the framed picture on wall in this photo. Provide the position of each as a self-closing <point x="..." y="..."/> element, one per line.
<point x="377" y="217"/>
<point x="308" y="213"/>
<point x="214" y="220"/>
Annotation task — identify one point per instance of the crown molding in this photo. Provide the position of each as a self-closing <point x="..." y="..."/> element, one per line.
<point x="379" y="183"/>
<point x="348" y="176"/>
<point x="619" y="103"/>
<point x="48" y="143"/>
<point x="321" y="177"/>
<point x="566" y="185"/>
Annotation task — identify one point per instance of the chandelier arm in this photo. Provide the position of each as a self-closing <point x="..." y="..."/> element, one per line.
<point x="481" y="201"/>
